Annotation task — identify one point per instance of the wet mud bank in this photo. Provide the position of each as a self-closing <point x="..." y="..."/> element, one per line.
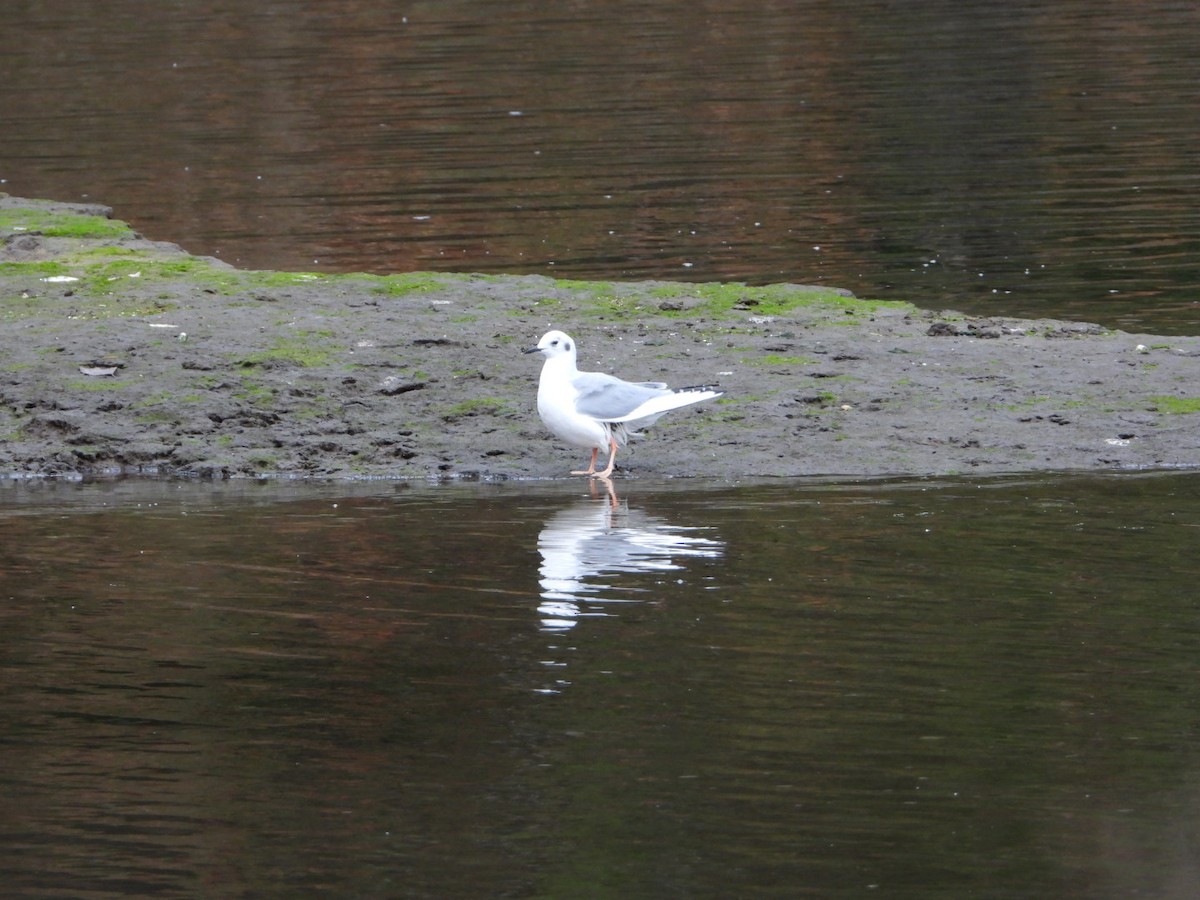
<point x="121" y="355"/>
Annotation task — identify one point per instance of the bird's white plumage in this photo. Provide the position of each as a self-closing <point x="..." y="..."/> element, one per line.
<point x="597" y="411"/>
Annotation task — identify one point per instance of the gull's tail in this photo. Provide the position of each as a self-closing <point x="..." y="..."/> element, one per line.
<point x="648" y="412"/>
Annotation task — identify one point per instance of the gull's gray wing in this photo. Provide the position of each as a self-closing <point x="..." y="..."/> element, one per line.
<point x="607" y="398"/>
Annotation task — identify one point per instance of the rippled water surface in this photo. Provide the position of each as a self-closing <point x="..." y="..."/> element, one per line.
<point x="902" y="689"/>
<point x="1025" y="158"/>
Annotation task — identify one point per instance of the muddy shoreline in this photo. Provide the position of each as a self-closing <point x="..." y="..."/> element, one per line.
<point x="121" y="355"/>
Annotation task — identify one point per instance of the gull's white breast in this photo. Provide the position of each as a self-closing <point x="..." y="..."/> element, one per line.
<point x="556" y="405"/>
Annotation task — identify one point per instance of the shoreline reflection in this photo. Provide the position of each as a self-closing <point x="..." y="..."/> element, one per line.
<point x="588" y="543"/>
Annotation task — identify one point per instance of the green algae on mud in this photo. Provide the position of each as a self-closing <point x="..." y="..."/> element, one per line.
<point x="98" y="269"/>
<point x="60" y="224"/>
<point x="222" y="372"/>
<point x="1175" y="406"/>
<point x="723" y="298"/>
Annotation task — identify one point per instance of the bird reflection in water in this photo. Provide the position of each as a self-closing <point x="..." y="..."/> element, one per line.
<point x="599" y="537"/>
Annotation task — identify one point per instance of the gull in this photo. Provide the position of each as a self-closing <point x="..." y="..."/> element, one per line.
<point x="597" y="411"/>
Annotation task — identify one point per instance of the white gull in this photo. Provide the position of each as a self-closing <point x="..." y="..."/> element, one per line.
<point x="597" y="411"/>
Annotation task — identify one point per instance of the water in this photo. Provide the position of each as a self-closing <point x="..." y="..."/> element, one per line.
<point x="1021" y="158"/>
<point x="894" y="688"/>
<point x="891" y="688"/>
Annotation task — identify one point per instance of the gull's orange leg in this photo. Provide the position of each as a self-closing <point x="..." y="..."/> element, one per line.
<point x="612" y="458"/>
<point x="591" y="470"/>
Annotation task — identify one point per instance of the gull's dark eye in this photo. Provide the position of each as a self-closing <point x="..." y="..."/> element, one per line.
<point x="554" y="343"/>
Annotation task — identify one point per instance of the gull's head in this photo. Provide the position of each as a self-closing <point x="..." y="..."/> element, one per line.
<point x="554" y="344"/>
